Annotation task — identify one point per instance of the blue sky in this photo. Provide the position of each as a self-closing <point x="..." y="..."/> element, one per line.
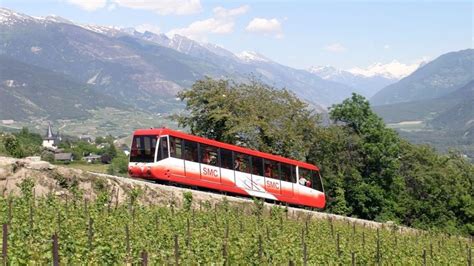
<point x="343" y="34"/>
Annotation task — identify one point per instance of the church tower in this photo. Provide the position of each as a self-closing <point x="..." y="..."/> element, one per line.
<point x="50" y="140"/>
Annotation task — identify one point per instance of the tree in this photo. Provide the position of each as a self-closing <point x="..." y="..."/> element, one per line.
<point x="251" y="114"/>
<point x="375" y="195"/>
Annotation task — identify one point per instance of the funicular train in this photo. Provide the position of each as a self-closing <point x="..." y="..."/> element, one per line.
<point x="176" y="157"/>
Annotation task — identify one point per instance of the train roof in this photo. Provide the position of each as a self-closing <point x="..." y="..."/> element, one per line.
<point x="179" y="134"/>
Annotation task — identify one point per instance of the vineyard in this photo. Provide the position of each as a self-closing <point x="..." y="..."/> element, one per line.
<point x="70" y="230"/>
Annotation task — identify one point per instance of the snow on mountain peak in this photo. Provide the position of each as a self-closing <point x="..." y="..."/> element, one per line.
<point x="106" y="30"/>
<point x="250" y="56"/>
<point x="392" y="70"/>
<point x="326" y="72"/>
<point x="56" y="19"/>
<point x="10" y="17"/>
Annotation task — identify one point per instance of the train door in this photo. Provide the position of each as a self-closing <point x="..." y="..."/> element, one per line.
<point x="243" y="176"/>
<point x="258" y="181"/>
<point x="288" y="179"/>
<point x="176" y="162"/>
<point x="226" y="167"/>
<point x="191" y="160"/>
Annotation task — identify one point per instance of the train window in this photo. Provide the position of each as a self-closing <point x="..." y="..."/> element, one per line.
<point x="241" y="162"/>
<point x="257" y="166"/>
<point x="317" y="183"/>
<point x="176" y="147"/>
<point x="287" y="172"/>
<point x="162" y="149"/>
<point x="190" y="151"/>
<point x="143" y="149"/>
<point x="310" y="178"/>
<point x="226" y="159"/>
<point x="208" y="154"/>
<point x="271" y="169"/>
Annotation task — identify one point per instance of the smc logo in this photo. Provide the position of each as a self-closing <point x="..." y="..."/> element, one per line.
<point x="273" y="184"/>
<point x="210" y="172"/>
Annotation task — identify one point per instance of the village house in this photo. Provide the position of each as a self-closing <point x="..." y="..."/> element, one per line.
<point x="63" y="157"/>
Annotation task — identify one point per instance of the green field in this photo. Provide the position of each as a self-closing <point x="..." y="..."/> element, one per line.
<point x="102" y="122"/>
<point x="90" y="167"/>
<point x="103" y="233"/>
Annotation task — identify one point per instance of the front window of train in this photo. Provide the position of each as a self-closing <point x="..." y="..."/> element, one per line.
<point x="143" y="149"/>
<point x="310" y="178"/>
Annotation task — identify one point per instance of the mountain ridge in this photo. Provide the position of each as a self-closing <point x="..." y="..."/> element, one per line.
<point x="439" y="77"/>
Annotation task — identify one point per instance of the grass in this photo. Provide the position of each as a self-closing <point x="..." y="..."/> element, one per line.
<point x="92" y="167"/>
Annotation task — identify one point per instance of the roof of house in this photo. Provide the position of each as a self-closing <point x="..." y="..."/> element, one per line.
<point x="63" y="156"/>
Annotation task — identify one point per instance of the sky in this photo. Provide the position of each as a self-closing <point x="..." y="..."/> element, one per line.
<point x="343" y="34"/>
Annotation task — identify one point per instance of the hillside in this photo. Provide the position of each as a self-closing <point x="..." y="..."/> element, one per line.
<point x="439" y="77"/>
<point x="460" y="115"/>
<point x="113" y="220"/>
<point x="445" y="122"/>
<point x="32" y="92"/>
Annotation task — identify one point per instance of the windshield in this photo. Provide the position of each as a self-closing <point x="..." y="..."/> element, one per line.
<point x="143" y="149"/>
<point x="310" y="179"/>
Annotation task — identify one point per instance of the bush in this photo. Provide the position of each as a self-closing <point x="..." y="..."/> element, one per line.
<point x="13" y="147"/>
<point x="119" y="165"/>
<point x="47" y="156"/>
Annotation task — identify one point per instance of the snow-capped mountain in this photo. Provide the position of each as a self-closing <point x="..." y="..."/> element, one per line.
<point x="365" y="85"/>
<point x="330" y="73"/>
<point x="145" y="69"/>
<point x="250" y="56"/>
<point x="10" y="18"/>
<point x="393" y="70"/>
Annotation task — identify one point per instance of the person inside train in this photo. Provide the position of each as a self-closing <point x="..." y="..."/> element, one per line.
<point x="206" y="158"/>
<point x="302" y="181"/>
<point x="268" y="170"/>
<point x="237" y="164"/>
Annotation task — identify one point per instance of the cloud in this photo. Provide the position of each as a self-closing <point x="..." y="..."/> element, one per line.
<point x="163" y="7"/>
<point x="335" y="48"/>
<point x="89" y="5"/>
<point x="221" y="12"/>
<point x="386" y="46"/>
<point x="222" y="22"/>
<point x="265" y="26"/>
<point x="148" y="27"/>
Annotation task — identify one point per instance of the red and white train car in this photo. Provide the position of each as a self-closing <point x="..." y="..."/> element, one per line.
<point x="169" y="155"/>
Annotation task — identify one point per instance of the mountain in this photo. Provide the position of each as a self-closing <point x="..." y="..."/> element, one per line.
<point x="28" y="91"/>
<point x="430" y="110"/>
<point x="393" y="70"/>
<point x="446" y="122"/>
<point x="317" y="91"/>
<point x="439" y="77"/>
<point x="461" y="114"/>
<point x="146" y="70"/>
<point x="365" y="85"/>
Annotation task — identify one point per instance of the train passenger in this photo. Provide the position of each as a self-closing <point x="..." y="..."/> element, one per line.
<point x="268" y="170"/>
<point x="237" y="164"/>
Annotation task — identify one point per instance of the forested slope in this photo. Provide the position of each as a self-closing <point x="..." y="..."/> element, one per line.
<point x="368" y="170"/>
